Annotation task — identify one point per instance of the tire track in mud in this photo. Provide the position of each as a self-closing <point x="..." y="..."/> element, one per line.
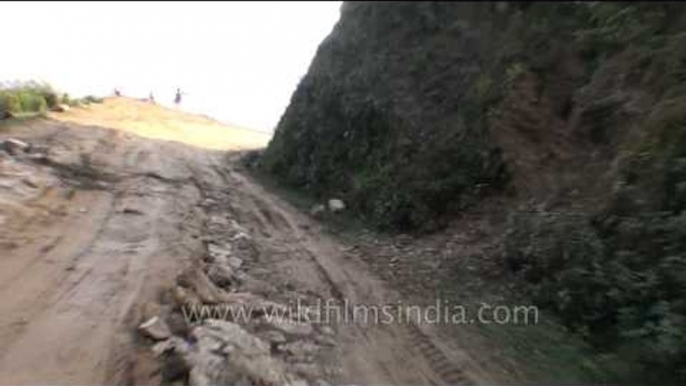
<point x="449" y="371"/>
<point x="282" y="229"/>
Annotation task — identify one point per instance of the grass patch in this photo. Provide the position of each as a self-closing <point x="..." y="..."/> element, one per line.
<point x="552" y="354"/>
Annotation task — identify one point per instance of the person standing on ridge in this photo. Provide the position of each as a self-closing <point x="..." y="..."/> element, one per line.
<point x="177" y="99"/>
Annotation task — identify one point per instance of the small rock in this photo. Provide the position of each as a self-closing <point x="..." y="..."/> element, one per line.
<point x="183" y="297"/>
<point x="326" y="341"/>
<point x="299" y="349"/>
<point x="274" y="337"/>
<point x="83" y="210"/>
<point x="326" y="330"/>
<point x="201" y="285"/>
<point x="290" y="327"/>
<point x="61" y="108"/>
<point x="171" y="344"/>
<point x="233" y="334"/>
<point x="336" y="205"/>
<point x="151" y="309"/>
<point x="14" y="146"/>
<point x="209" y="202"/>
<point x="317" y="210"/>
<point x="235" y="262"/>
<point x="100" y="185"/>
<point x="155" y="328"/>
<point x="221" y="275"/>
<point x="219" y="254"/>
<point x="242" y="240"/>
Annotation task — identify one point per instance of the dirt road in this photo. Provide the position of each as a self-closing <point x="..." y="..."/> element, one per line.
<point x="96" y="233"/>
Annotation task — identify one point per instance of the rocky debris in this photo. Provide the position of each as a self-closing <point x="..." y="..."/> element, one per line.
<point x="206" y="291"/>
<point x="155" y="328"/>
<point x="289" y="326"/>
<point x="232" y="338"/>
<point x="14" y="146"/>
<point x="252" y="339"/>
<point x="336" y="205"/>
<point x="225" y="353"/>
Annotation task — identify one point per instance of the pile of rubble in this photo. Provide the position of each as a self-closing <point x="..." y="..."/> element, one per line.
<point x="225" y="326"/>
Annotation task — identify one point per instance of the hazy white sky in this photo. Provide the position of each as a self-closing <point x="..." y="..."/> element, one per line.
<point x="237" y="61"/>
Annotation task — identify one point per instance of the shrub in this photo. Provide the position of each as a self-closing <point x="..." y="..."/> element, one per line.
<point x="620" y="281"/>
<point x="51" y="98"/>
<point x="32" y="102"/>
<point x="9" y="103"/>
<point x="30" y="97"/>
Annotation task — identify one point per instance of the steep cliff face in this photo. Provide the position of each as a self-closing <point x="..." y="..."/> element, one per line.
<point x="384" y="116"/>
<point x="574" y="112"/>
<point x="413" y="111"/>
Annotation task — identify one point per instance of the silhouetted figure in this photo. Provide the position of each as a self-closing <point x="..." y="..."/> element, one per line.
<point x="117" y="92"/>
<point x="151" y="97"/>
<point x="177" y="99"/>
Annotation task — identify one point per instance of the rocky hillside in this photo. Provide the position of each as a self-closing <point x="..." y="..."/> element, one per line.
<point x="573" y="113"/>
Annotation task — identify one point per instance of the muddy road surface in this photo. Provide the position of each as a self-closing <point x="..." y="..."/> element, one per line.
<point x="125" y="214"/>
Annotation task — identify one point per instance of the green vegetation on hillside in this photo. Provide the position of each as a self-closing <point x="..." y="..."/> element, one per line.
<point x="29" y="97"/>
<point x="33" y="98"/>
<point x="575" y="112"/>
